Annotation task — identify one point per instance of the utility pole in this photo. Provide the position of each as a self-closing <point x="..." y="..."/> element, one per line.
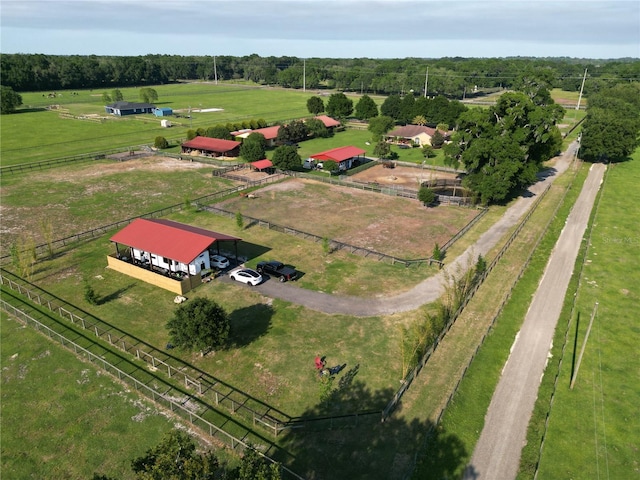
<point x="581" y="87"/>
<point x="426" y="82"/>
<point x="304" y="75"/>
<point x="215" y="70"/>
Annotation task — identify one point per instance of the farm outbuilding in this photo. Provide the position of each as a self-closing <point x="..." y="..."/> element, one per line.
<point x="345" y="157"/>
<point x="123" y="108"/>
<point x="213" y="147"/>
<point x="167" y="254"/>
<point x="262" y="165"/>
<point x="163" y="112"/>
<point x="270" y="134"/>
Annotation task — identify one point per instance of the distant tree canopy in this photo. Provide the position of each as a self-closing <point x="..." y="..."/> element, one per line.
<point x="449" y="77"/>
<point x="9" y="100"/>
<point x="611" y="130"/>
<point x="503" y="147"/>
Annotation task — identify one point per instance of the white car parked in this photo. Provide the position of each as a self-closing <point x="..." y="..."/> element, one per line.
<point x="218" y="261"/>
<point x="246" y="275"/>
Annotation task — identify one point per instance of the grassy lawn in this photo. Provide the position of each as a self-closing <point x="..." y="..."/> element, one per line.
<point x="62" y="418"/>
<point x="77" y="198"/>
<point x="593" y="428"/>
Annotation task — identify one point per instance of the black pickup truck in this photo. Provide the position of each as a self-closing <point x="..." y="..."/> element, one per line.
<point x="277" y="269"/>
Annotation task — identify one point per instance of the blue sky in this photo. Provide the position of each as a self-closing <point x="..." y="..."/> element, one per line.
<point x="324" y="28"/>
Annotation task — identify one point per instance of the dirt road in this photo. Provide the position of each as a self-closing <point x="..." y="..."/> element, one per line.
<point x="497" y="453"/>
<point x="431" y="288"/>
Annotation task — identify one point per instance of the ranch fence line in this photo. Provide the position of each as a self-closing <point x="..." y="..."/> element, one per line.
<point x="253" y="410"/>
<point x="187" y="407"/>
<point x="425" y="358"/>
<point x="493" y="321"/>
<point x="574" y="299"/>
<point x="334" y="245"/>
<point x="223" y="395"/>
<point x="85" y="157"/>
<point x="43" y="248"/>
<point x="391" y="190"/>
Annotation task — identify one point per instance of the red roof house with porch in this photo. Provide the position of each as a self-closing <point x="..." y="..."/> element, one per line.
<point x="164" y="252"/>
<point x="345" y="157"/>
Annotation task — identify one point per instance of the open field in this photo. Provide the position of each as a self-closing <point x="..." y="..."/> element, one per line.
<point x="80" y="197"/>
<point x="63" y="418"/>
<point x="274" y="342"/>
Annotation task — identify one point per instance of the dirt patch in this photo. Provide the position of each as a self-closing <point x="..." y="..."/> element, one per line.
<point x="383" y="223"/>
<point x="406" y="177"/>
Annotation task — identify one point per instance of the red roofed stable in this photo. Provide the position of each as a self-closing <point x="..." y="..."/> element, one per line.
<point x="345" y="157"/>
<point x="328" y="121"/>
<point x="262" y="164"/>
<point x="215" y="147"/>
<point x="163" y="248"/>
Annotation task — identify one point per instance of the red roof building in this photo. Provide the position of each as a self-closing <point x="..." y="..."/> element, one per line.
<point x="212" y="146"/>
<point x="340" y="154"/>
<point x="168" y="239"/>
<point x="328" y="121"/>
<point x="345" y="157"/>
<point x="262" y="164"/>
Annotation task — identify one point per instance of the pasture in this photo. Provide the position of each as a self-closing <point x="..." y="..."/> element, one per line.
<point x="273" y="342"/>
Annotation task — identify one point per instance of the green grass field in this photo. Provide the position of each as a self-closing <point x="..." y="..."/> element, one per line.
<point x="63" y="418"/>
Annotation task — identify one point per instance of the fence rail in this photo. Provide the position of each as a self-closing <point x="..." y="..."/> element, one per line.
<point x="425" y="357"/>
<point x="188" y="407"/>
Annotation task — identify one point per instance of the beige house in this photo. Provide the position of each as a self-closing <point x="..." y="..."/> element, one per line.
<point x="412" y="135"/>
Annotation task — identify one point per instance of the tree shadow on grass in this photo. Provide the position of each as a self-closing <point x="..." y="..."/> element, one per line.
<point x="115" y="295"/>
<point x="248" y="324"/>
<point x="330" y="443"/>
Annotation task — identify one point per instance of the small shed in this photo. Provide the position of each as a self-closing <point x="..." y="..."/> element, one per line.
<point x="165" y="123"/>
<point x="162" y="112"/>
<point x="263" y="165"/>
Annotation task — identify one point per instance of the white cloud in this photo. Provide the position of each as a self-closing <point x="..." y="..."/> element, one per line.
<point x="327" y="28"/>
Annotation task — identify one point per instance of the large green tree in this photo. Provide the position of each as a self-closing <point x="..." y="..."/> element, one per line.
<point x="9" y="100"/>
<point x="339" y="106"/>
<point x="315" y="105"/>
<point x="148" y="95"/>
<point x="317" y="128"/>
<point x="391" y="107"/>
<point x="199" y="324"/>
<point x="366" y="108"/>
<point x="253" y="147"/>
<point x="611" y="129"/>
<point x="286" y="157"/>
<point x="503" y="147"/>
<point x="380" y="125"/>
<point x="175" y="457"/>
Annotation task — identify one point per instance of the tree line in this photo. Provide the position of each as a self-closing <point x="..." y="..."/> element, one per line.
<point x="451" y="77"/>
